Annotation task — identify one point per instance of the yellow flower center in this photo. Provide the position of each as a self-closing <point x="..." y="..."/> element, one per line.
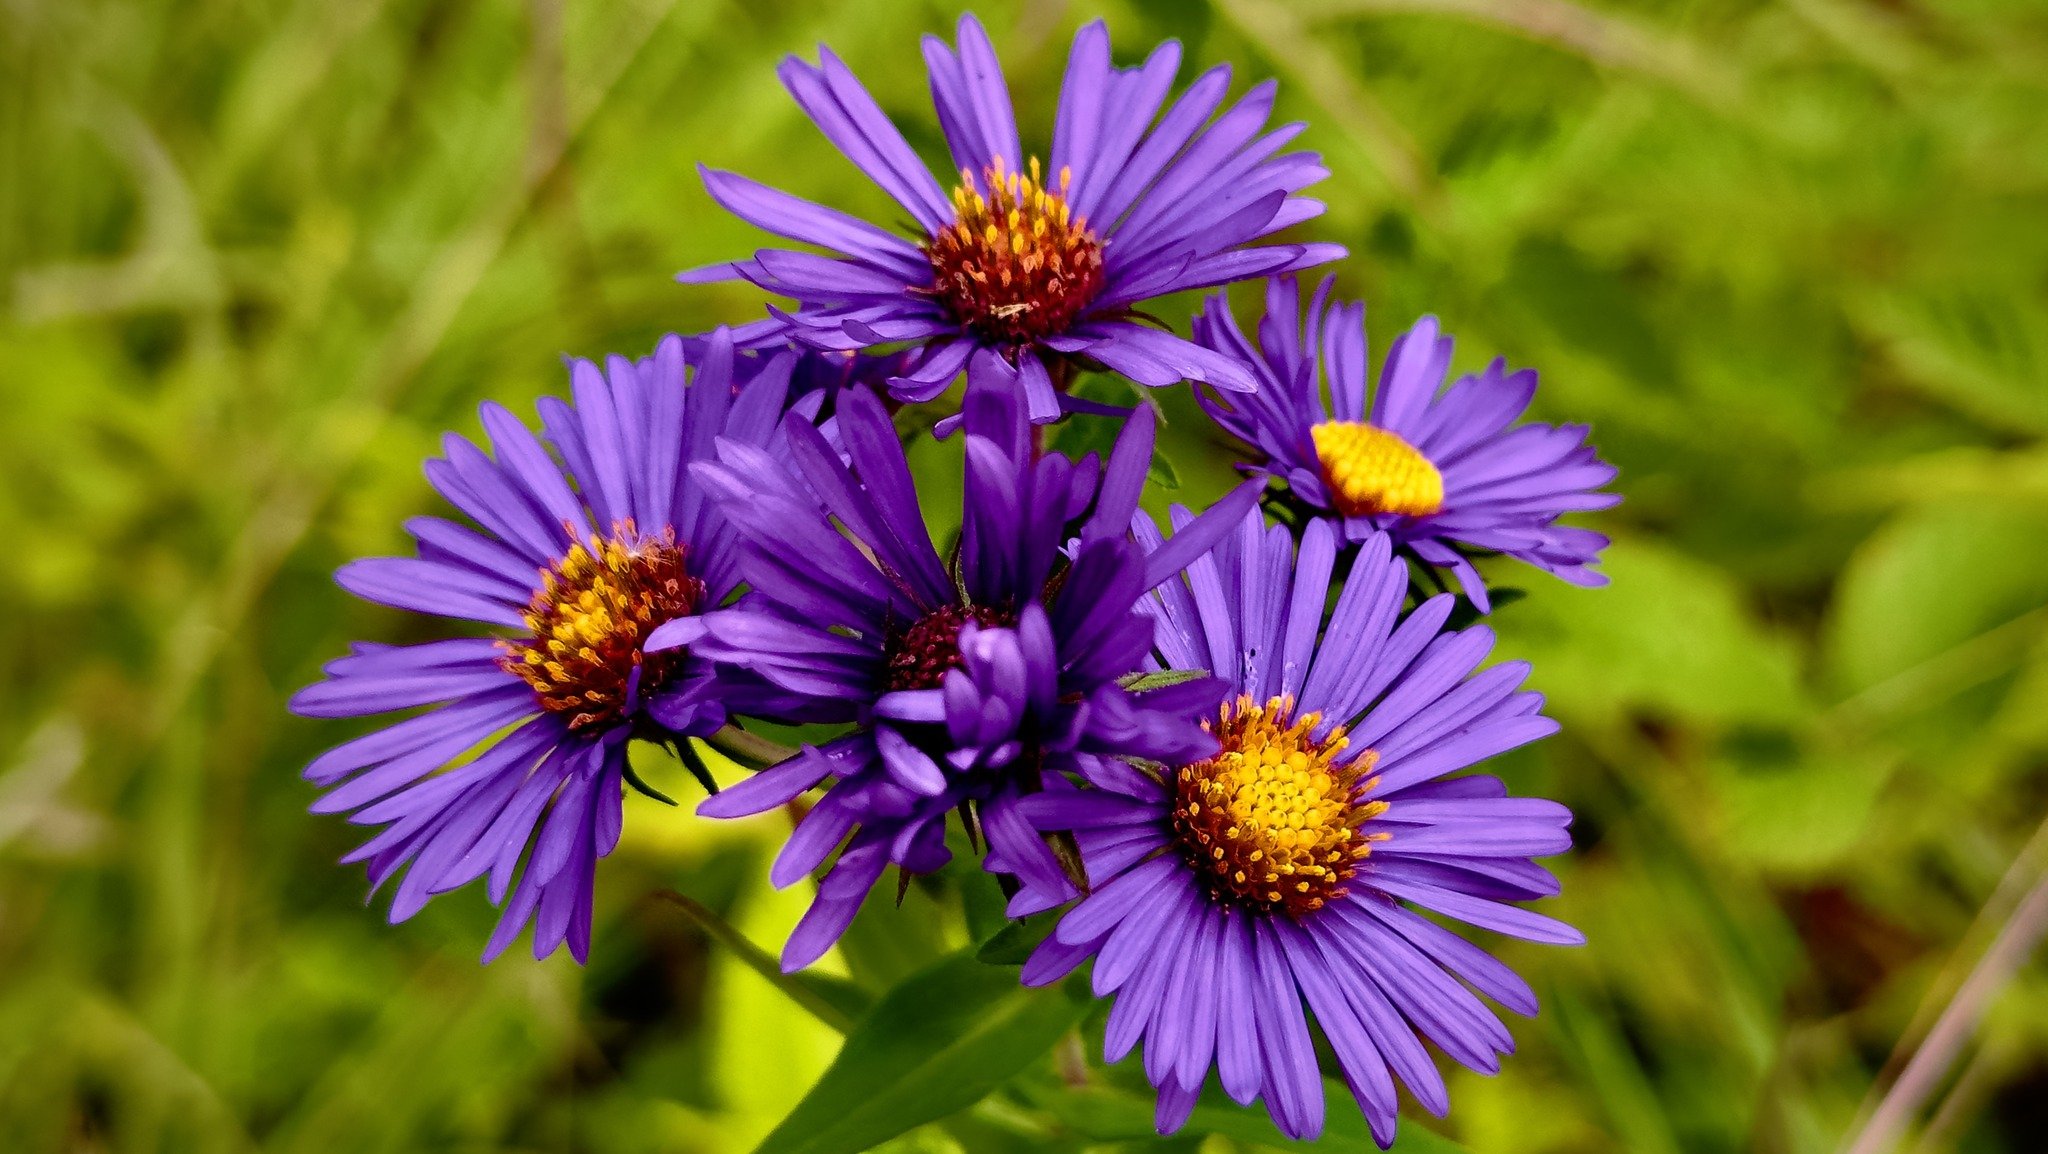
<point x="1016" y="265"/>
<point x="1370" y="471"/>
<point x="594" y="610"/>
<point x="1272" y="822"/>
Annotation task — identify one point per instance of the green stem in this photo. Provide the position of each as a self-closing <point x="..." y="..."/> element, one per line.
<point x="749" y="748"/>
<point x="757" y="959"/>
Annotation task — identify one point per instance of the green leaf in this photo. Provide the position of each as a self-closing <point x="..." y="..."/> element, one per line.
<point x="1108" y="1114"/>
<point x="1671" y="635"/>
<point x="936" y="1044"/>
<point x="1160" y="679"/>
<point x="1797" y="815"/>
<point x="981" y="895"/>
<point x="1931" y="581"/>
<point x="1162" y="473"/>
<point x="1012" y="944"/>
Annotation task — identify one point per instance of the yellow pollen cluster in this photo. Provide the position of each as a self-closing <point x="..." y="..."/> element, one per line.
<point x="1271" y="823"/>
<point x="1370" y="470"/>
<point x="594" y="609"/>
<point x="1017" y="264"/>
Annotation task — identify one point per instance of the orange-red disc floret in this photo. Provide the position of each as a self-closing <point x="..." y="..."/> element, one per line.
<point x="591" y="617"/>
<point x="1017" y="264"/>
<point x="920" y="655"/>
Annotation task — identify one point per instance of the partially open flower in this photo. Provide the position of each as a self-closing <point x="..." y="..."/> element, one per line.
<point x="968" y="680"/>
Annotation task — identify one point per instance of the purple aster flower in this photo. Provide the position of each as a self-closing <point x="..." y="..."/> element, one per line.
<point x="1286" y="869"/>
<point x="830" y="373"/>
<point x="814" y="377"/>
<point x="579" y="557"/>
<point x="1023" y="266"/>
<point x="966" y="680"/>
<point x="811" y="373"/>
<point x="1434" y="469"/>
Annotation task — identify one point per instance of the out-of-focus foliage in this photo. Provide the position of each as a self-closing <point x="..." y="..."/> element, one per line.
<point x="1789" y="259"/>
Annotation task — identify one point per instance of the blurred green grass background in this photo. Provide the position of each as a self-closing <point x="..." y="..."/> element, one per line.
<point x="1790" y="260"/>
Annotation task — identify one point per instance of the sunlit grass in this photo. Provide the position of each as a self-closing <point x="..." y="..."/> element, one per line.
<point x="1788" y="260"/>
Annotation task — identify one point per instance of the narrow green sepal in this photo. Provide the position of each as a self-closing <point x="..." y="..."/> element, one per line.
<point x="694" y="762"/>
<point x="1159" y="679"/>
<point x="634" y="779"/>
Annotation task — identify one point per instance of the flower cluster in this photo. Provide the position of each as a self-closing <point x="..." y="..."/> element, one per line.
<point x="1238" y="759"/>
